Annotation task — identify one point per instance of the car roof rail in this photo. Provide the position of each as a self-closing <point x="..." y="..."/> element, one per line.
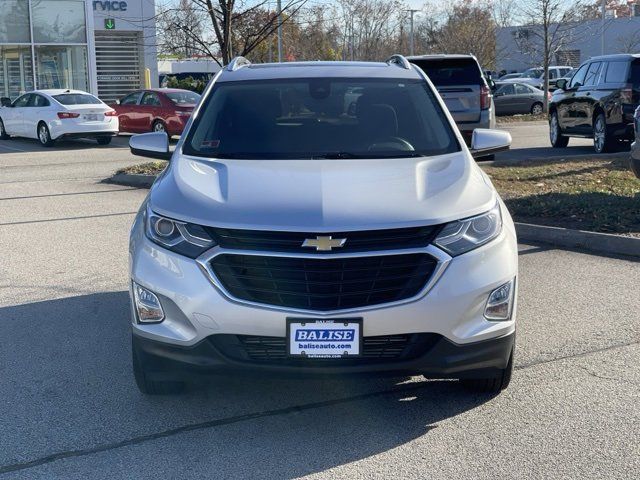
<point x="237" y="63"/>
<point x="399" y="60"/>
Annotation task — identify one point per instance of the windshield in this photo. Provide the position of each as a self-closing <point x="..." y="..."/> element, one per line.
<point x="76" y="99"/>
<point x="320" y="118"/>
<point x="183" y="98"/>
<point x="450" y="71"/>
<point x="532" y="73"/>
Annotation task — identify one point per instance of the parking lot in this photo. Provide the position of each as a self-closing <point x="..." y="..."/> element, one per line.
<point x="72" y="410"/>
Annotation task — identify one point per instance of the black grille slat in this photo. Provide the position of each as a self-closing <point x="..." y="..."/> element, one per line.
<point x="364" y="240"/>
<point x="323" y="283"/>
<point x="273" y="350"/>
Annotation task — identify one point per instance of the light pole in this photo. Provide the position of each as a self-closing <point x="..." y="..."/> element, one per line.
<point x="279" y="31"/>
<point x="604" y="12"/>
<point x="411" y="12"/>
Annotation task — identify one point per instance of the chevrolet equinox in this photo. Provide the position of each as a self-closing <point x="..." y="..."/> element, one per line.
<point x="322" y="218"/>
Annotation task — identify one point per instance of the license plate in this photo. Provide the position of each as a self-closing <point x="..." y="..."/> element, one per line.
<point x="314" y="338"/>
<point x="91" y="117"/>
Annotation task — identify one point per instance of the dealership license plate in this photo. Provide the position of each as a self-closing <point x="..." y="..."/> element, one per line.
<point x="92" y="117"/>
<point x="312" y="338"/>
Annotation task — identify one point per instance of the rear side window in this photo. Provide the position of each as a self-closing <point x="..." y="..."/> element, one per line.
<point x="451" y="71"/>
<point x="183" y="98"/>
<point x="506" y="90"/>
<point x="321" y="118"/>
<point x="77" y="99"/>
<point x="616" y="72"/>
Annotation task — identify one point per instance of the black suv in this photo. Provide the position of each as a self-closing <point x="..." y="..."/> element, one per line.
<point x="598" y="102"/>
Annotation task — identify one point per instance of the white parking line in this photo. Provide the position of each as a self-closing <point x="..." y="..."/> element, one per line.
<point x="12" y="148"/>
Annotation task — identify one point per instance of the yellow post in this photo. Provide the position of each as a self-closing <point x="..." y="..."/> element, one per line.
<point x="147" y="78"/>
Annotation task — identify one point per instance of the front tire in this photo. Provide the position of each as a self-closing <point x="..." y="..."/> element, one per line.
<point x="159" y="127"/>
<point x="602" y="141"/>
<point x="3" y="132"/>
<point x="555" y="134"/>
<point x="493" y="384"/>
<point x="44" y="136"/>
<point x="142" y="372"/>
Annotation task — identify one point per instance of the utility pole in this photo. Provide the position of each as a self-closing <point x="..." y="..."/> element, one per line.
<point x="279" y="31"/>
<point x="411" y="12"/>
<point x="604" y="12"/>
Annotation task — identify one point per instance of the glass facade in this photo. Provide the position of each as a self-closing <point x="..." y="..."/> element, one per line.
<point x="43" y="44"/>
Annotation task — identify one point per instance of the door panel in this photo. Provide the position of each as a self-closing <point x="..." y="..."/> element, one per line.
<point x="15" y="125"/>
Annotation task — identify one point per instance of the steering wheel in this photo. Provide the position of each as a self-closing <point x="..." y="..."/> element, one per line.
<point x="391" y="143"/>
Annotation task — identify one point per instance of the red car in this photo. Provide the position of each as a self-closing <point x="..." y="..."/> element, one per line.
<point x="156" y="110"/>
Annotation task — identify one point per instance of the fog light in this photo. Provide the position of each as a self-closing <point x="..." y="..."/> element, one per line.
<point x="500" y="302"/>
<point x="147" y="304"/>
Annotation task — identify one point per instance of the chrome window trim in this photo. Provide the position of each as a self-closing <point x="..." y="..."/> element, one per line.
<point x="442" y="258"/>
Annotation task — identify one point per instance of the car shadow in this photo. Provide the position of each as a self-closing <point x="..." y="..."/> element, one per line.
<point x="65" y="376"/>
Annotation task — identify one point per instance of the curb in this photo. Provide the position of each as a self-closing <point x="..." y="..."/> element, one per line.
<point x="591" y="241"/>
<point x="132" y="180"/>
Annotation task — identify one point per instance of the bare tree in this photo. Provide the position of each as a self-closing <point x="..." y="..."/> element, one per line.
<point x="210" y="31"/>
<point x="549" y="26"/>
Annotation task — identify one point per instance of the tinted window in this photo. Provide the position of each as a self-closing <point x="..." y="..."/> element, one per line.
<point x="553" y="73"/>
<point x="307" y="118"/>
<point x="183" y="98"/>
<point x="130" y="99"/>
<point x="593" y="71"/>
<point x="522" y="90"/>
<point x="150" y="99"/>
<point x="635" y="74"/>
<point x="616" y="72"/>
<point x="38" y="101"/>
<point x="76" y="99"/>
<point x="507" y="89"/>
<point x="578" y="78"/>
<point x="451" y="71"/>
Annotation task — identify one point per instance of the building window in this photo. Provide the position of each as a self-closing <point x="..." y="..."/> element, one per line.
<point x="14" y="26"/>
<point x="58" y="21"/>
<point x="16" y="71"/>
<point x="61" y="67"/>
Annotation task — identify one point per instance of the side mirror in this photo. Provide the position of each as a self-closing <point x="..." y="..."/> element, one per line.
<point x="5" y="101"/>
<point x="485" y="141"/>
<point x="151" y="145"/>
<point x="561" y="83"/>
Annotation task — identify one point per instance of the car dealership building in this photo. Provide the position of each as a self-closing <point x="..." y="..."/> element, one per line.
<point x="106" y="47"/>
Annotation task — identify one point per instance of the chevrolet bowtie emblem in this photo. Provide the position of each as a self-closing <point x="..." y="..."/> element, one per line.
<point x="324" y="244"/>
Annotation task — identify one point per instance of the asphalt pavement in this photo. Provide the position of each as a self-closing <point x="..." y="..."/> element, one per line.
<point x="71" y="409"/>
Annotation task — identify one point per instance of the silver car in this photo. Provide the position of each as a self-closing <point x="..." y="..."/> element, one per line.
<point x="463" y="88"/>
<point x="511" y="98"/>
<point x="292" y="233"/>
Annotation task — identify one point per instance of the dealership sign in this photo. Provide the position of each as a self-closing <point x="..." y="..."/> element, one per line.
<point x="110" y="6"/>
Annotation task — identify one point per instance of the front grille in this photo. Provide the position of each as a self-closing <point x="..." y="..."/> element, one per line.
<point x="273" y="350"/>
<point x="367" y="240"/>
<point x="323" y="284"/>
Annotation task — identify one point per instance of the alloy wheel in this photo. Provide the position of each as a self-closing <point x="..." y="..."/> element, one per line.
<point x="536" y="109"/>
<point x="43" y="134"/>
<point x="599" y="135"/>
<point x="553" y="131"/>
<point x="159" y="127"/>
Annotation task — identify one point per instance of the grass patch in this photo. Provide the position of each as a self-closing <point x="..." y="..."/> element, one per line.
<point x="150" y="168"/>
<point x="525" y="117"/>
<point x="597" y="194"/>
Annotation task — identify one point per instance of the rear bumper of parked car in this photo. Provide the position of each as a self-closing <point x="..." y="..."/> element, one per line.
<point x="487" y="120"/>
<point x="445" y="329"/>
<point x="60" y="129"/>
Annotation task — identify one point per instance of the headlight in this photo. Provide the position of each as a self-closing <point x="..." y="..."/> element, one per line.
<point x="463" y="235"/>
<point x="186" y="239"/>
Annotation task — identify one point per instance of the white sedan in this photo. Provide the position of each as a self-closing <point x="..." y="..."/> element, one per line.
<point x="50" y="115"/>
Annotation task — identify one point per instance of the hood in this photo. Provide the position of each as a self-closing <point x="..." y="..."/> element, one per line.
<point x="322" y="195"/>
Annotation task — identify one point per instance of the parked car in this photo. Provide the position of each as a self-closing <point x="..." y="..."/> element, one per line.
<point x="512" y="98"/>
<point x="635" y="146"/>
<point x="50" y="115"/>
<point x="156" y="110"/>
<point x="288" y="235"/>
<point x="535" y="76"/>
<point x="599" y="102"/>
<point x="463" y="88"/>
<point x="509" y="76"/>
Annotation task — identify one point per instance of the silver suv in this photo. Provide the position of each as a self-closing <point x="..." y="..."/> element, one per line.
<point x="295" y="233"/>
<point x="463" y="88"/>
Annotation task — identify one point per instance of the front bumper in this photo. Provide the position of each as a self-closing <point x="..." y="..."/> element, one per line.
<point x="452" y="310"/>
<point x="220" y="354"/>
